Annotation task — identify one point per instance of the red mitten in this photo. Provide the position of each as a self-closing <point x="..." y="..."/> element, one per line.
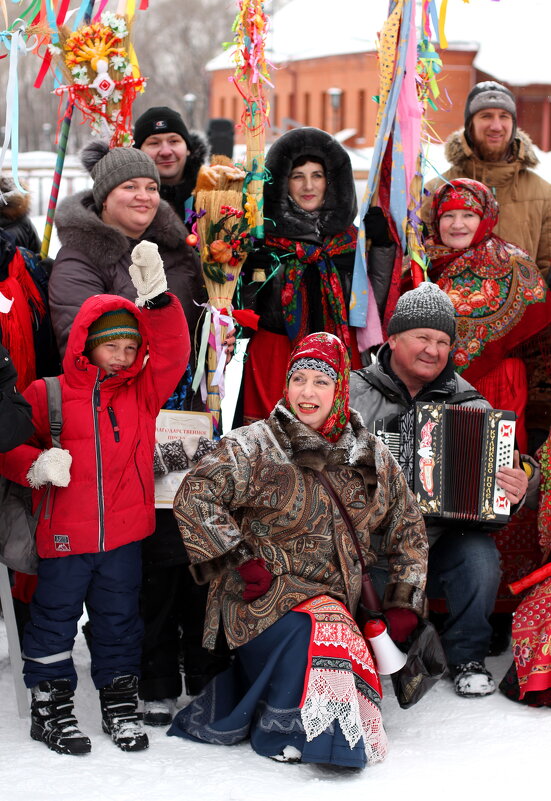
<point x="257" y="579"/>
<point x="401" y="622"/>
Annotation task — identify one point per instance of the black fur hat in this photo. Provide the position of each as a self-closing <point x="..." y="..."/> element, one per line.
<point x="339" y="206"/>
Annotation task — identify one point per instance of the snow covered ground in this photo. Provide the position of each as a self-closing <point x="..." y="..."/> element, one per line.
<point x="444" y="749"/>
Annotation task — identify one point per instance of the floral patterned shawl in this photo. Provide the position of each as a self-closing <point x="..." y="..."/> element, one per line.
<point x="328" y="348"/>
<point x="491" y="283"/>
<point x="294" y="297"/>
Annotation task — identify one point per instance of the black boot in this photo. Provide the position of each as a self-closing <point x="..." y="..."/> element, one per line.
<point x="53" y="721"/>
<point x="120" y="716"/>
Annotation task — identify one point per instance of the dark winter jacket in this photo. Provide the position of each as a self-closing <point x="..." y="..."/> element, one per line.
<point x="109" y="429"/>
<point x="176" y="195"/>
<point x="376" y="395"/>
<point x="15" y="412"/>
<point x="283" y="219"/>
<point x="95" y="257"/>
<point x="15" y="207"/>
<point x="524" y="198"/>
<point x="255" y="494"/>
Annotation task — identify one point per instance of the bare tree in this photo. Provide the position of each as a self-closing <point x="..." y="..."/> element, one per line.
<point x="173" y="42"/>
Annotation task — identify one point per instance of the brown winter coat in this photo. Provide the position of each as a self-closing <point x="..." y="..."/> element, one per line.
<point x="253" y="495"/>
<point x="524" y="198"/>
<point x="95" y="257"/>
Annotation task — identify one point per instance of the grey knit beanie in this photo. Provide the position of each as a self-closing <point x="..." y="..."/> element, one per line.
<point x="109" y="168"/>
<point x="427" y="306"/>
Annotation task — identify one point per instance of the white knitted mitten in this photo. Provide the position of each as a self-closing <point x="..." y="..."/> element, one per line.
<point x="51" y="466"/>
<point x="147" y="272"/>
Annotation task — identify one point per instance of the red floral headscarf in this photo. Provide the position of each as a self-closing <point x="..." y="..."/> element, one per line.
<point x="491" y="283"/>
<point x="463" y="193"/>
<point x="329" y="349"/>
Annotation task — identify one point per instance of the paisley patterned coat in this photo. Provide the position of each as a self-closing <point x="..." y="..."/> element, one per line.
<point x="255" y="495"/>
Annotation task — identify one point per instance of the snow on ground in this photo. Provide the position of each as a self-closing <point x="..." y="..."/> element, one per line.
<point x="444" y="749"/>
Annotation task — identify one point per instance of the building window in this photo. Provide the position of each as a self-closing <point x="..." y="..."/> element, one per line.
<point x="275" y="112"/>
<point x="306" y="114"/>
<point x="234" y="113"/>
<point x="323" y="106"/>
<point x="222" y="106"/>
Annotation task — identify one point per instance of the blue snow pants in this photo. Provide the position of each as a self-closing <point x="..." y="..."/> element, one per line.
<point x="109" y="584"/>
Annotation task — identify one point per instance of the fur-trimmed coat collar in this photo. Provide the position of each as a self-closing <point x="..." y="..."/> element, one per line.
<point x="458" y="151"/>
<point x="339" y="207"/>
<point x="307" y="448"/>
<point x="79" y="227"/>
<point x="13" y="204"/>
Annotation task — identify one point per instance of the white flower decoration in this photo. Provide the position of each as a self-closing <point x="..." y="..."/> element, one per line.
<point x="118" y="62"/>
<point x="54" y="50"/>
<point x="80" y="74"/>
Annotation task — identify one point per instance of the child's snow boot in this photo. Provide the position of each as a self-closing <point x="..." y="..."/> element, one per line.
<point x="53" y="721"/>
<point x="120" y="716"/>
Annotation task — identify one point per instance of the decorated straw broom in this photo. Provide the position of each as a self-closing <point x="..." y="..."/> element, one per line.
<point x="223" y="223"/>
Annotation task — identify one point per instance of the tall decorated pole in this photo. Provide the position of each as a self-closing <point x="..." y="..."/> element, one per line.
<point x="229" y="204"/>
<point x="95" y="67"/>
<point x="408" y="65"/>
<point x="251" y="77"/>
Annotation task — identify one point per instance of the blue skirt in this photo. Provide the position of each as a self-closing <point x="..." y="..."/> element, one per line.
<point x="258" y="697"/>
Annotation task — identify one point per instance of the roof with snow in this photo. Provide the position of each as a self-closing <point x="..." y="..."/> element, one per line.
<point x="511" y="36"/>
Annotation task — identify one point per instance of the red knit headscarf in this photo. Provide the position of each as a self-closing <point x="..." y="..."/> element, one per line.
<point x="329" y="349"/>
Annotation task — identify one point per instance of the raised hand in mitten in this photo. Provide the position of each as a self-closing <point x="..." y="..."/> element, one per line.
<point x="257" y="579"/>
<point x="147" y="272"/>
<point x="52" y="466"/>
<point x="401" y="623"/>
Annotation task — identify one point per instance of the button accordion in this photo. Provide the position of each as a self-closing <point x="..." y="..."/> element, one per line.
<point x="457" y="452"/>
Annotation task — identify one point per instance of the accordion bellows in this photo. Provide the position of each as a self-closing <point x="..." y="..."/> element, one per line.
<point x="458" y="451"/>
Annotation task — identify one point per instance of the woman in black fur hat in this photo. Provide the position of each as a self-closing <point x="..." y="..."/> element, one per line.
<point x="307" y="256"/>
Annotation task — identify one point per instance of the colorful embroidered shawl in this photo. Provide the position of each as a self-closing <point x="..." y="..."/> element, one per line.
<point x="491" y="284"/>
<point x="294" y="296"/>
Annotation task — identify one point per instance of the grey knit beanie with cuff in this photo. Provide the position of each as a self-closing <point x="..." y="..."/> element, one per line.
<point x="427" y="306"/>
<point x="110" y="168"/>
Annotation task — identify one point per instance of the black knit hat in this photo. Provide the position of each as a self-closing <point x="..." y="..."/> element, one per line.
<point x="110" y="168"/>
<point x="489" y="94"/>
<point x="159" y="120"/>
<point x="116" y="324"/>
<point x="427" y="306"/>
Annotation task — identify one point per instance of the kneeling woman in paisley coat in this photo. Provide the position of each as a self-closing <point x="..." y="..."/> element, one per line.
<point x="285" y="576"/>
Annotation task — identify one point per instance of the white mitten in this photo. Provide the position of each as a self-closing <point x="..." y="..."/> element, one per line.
<point x="51" y="466"/>
<point x="147" y="272"/>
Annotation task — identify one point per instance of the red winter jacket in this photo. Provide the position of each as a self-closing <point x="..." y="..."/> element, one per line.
<point x="109" y="429"/>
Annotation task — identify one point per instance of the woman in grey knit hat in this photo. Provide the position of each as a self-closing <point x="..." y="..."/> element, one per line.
<point x="98" y="228"/>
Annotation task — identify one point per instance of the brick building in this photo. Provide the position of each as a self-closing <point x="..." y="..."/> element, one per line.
<point x="326" y="70"/>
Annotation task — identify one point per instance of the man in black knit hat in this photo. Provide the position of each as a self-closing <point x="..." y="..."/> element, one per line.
<point x="178" y="153"/>
<point x="491" y="149"/>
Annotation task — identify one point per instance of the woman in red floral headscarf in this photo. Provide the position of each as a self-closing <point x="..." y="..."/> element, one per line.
<point x="499" y="296"/>
<point x="258" y="523"/>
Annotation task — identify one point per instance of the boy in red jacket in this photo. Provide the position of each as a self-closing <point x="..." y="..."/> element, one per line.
<point x="98" y="502"/>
